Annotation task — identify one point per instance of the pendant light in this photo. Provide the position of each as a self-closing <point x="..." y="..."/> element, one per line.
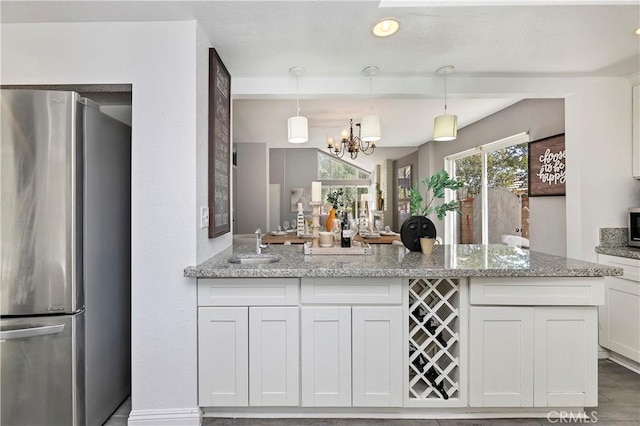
<point x="445" y="127"/>
<point x="370" y="124"/>
<point x="298" y="126"/>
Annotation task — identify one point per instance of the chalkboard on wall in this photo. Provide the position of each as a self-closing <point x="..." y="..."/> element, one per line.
<point x="219" y="146"/>
<point x="547" y="169"/>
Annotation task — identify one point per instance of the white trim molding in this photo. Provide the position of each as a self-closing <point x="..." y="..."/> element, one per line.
<point x="166" y="417"/>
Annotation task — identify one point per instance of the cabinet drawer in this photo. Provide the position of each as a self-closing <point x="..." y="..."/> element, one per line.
<point x="352" y="290"/>
<point x="530" y="291"/>
<point x="631" y="267"/>
<point x="248" y="291"/>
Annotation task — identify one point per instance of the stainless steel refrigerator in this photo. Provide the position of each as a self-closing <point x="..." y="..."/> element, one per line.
<point x="65" y="229"/>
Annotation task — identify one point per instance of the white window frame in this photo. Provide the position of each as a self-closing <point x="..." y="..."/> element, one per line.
<point x="451" y="232"/>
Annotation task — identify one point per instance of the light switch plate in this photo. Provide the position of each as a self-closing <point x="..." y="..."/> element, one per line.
<point x="204" y="217"/>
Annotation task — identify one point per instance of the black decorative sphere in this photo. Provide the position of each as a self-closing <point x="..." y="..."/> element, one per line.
<point x="413" y="229"/>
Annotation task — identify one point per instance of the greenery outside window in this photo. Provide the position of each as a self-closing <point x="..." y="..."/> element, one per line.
<point x="501" y="167"/>
<point x="330" y="168"/>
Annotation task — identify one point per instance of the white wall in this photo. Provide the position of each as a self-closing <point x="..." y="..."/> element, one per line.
<point x="599" y="169"/>
<point x="548" y="230"/>
<point x="206" y="247"/>
<point x="252" y="188"/>
<point x="164" y="63"/>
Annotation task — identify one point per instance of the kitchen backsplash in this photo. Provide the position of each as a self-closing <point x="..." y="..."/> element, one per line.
<point x="613" y="237"/>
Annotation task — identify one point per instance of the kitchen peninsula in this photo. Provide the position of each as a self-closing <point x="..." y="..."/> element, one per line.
<point x="469" y="331"/>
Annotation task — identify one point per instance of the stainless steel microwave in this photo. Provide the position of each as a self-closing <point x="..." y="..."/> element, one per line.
<point x="634" y="227"/>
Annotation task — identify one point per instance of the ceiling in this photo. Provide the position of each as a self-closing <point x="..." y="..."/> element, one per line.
<point x="261" y="40"/>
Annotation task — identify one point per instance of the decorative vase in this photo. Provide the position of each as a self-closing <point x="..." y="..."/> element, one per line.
<point x="415" y="228"/>
<point x="332" y="215"/>
<point x="380" y="203"/>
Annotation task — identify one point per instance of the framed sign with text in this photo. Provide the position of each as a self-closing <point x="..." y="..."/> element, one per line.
<point x="219" y="146"/>
<point x="547" y="169"/>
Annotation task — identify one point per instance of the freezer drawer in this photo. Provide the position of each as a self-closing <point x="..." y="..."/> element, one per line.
<point x="41" y="370"/>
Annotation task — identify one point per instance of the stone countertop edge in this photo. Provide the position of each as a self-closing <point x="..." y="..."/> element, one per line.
<point x="395" y="261"/>
<point x="628" y="252"/>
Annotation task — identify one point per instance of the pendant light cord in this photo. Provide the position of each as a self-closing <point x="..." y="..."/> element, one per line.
<point x="370" y="93"/>
<point x="298" y="96"/>
<point x="445" y="94"/>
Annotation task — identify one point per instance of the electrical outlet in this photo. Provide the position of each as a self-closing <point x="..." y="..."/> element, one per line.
<point x="204" y="217"/>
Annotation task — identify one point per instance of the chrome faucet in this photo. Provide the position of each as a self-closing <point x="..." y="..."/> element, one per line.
<point x="259" y="245"/>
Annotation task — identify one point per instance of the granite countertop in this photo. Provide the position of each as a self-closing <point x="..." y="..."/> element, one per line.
<point x="465" y="260"/>
<point x="620" y="251"/>
<point x="613" y="242"/>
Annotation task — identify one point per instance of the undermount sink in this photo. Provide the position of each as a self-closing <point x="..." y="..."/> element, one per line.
<point x="254" y="259"/>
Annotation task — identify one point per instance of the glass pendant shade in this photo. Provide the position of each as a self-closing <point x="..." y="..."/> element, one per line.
<point x="445" y="128"/>
<point x="370" y="128"/>
<point x="298" y="129"/>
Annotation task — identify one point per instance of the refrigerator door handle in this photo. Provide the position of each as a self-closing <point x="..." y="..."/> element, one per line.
<point x="31" y="332"/>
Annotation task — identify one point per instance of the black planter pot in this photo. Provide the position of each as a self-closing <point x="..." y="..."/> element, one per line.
<point x="415" y="228"/>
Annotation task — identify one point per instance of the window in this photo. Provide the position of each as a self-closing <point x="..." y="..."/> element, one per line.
<point x="335" y="173"/>
<point x="404" y="185"/>
<point x="494" y="203"/>
<point x="331" y="168"/>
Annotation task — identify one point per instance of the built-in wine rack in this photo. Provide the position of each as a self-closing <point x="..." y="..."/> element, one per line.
<point x="434" y="339"/>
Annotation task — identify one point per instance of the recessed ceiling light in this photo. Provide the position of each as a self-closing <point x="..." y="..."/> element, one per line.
<point x="638" y="31"/>
<point x="385" y="27"/>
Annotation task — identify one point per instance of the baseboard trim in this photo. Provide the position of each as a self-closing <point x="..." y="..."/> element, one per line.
<point x="416" y="413"/>
<point x="603" y="353"/>
<point x="625" y="362"/>
<point x="166" y="417"/>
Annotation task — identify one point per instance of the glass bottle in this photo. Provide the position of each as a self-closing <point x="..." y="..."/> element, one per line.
<point x="345" y="240"/>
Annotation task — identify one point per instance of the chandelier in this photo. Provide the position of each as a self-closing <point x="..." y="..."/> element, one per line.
<point x="350" y="143"/>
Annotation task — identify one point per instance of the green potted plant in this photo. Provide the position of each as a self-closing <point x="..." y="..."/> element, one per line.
<point x="419" y="225"/>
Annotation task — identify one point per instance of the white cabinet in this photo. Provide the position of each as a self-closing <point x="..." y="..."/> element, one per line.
<point x="565" y="357"/>
<point x="223" y="373"/>
<point x="248" y="355"/>
<point x="534" y="352"/>
<point x="326" y="356"/>
<point x="351" y="342"/>
<point x="273" y="356"/>
<point x="541" y="356"/>
<point x="501" y="357"/>
<point x="377" y="356"/>
<point x="620" y="315"/>
<point x="351" y="356"/>
<point x="533" y="356"/>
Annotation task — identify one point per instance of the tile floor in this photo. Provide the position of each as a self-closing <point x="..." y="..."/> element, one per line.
<point x="619" y="405"/>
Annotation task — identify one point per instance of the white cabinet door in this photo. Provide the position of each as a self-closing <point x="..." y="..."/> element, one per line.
<point x="620" y="317"/>
<point x="566" y="358"/>
<point x="501" y="357"/>
<point x="377" y="356"/>
<point x="273" y="356"/>
<point x="326" y="356"/>
<point x="223" y="379"/>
